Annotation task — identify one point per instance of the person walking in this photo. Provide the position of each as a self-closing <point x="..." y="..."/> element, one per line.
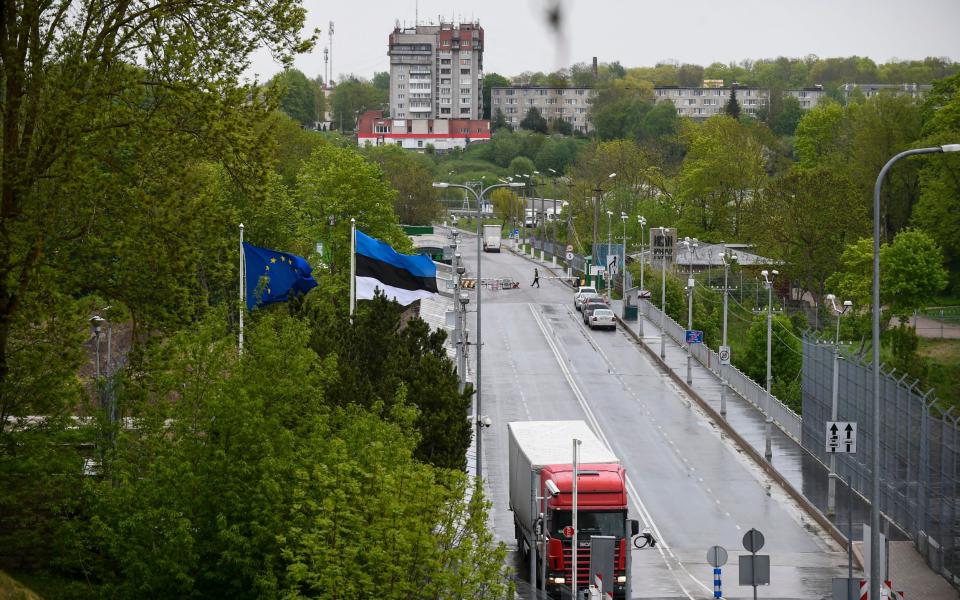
<point x="536" y="278"/>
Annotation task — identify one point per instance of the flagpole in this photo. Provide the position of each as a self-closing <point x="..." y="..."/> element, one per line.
<point x="353" y="267"/>
<point x="243" y="277"/>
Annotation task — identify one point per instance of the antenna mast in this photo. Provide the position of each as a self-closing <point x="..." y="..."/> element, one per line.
<point x="331" y="49"/>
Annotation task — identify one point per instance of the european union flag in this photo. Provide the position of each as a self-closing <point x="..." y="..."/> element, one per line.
<point x="272" y="275"/>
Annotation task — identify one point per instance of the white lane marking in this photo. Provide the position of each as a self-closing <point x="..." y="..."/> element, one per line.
<point x="595" y="425"/>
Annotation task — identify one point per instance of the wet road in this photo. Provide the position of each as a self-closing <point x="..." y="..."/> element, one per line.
<point x="689" y="484"/>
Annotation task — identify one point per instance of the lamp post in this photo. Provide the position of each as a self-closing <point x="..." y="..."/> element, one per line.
<point x="663" y="293"/>
<point x="727" y="260"/>
<point x="555" y="175"/>
<point x="832" y="481"/>
<point x="607" y="277"/>
<point x="691" y="245"/>
<point x="96" y="325"/>
<point x="479" y="198"/>
<point x="642" y="221"/>
<point x="768" y="278"/>
<point x="623" y="267"/>
<point x="597" y="201"/>
<point x="875" y="478"/>
<point x="463" y="298"/>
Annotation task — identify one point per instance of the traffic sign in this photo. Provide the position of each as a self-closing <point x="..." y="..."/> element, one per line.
<point x="569" y="247"/>
<point x="753" y="540"/>
<point x="694" y="336"/>
<point x="717" y="556"/>
<point x="569" y="255"/>
<point x="568" y="531"/>
<point x="842" y="437"/>
<point x="516" y="233"/>
<point x="724" y="355"/>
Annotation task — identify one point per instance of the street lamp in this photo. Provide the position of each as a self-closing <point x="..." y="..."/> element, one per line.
<point x="623" y="267"/>
<point x="691" y="245"/>
<point x="96" y="325"/>
<point x="606" y="277"/>
<point x="875" y="477"/>
<point x="597" y="201"/>
<point x="768" y="278"/>
<point x="479" y="198"/>
<point x="663" y="292"/>
<point x="832" y="481"/>
<point x="642" y="221"/>
<point x="727" y="260"/>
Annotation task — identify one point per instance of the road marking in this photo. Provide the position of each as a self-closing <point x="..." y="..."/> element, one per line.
<point x="662" y="545"/>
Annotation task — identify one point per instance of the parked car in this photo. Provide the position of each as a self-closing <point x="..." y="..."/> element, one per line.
<point x="578" y="296"/>
<point x="602" y="317"/>
<point x="592" y="304"/>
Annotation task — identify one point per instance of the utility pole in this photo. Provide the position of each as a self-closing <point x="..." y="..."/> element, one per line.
<point x="727" y="260"/>
<point x="834" y="404"/>
<point x="691" y="244"/>
<point x="768" y="278"/>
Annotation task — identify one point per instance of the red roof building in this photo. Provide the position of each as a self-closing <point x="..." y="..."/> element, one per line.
<point x="416" y="134"/>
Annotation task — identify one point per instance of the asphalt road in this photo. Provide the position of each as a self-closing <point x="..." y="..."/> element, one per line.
<point x="688" y="483"/>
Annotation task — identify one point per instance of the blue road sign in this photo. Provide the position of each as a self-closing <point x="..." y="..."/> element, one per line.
<point x="694" y="336"/>
<point x="516" y="233"/>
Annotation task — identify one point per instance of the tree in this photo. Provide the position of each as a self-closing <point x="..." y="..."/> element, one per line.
<point x="381" y="83"/>
<point x="298" y="96"/>
<point x="506" y="204"/>
<point x="500" y="122"/>
<point x="109" y="117"/>
<point x="690" y="75"/>
<point x="411" y="175"/>
<point x="786" y="122"/>
<point x="786" y="354"/>
<point x="723" y="170"/>
<point x="561" y="126"/>
<point x="803" y="218"/>
<point x="732" y="107"/>
<point x="351" y="98"/>
<point x="490" y="81"/>
<point x="534" y="121"/>
<point x="821" y="135"/>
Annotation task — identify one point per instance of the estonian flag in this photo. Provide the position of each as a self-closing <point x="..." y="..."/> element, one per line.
<point x="280" y="273"/>
<point x="401" y="277"/>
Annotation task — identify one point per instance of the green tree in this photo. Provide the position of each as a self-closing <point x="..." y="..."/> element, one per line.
<point x="297" y="96"/>
<point x="490" y="81"/>
<point x="723" y="170"/>
<point x="534" y="121"/>
<point x="351" y="98"/>
<point x="411" y="175"/>
<point x="732" y="107"/>
<point x="506" y="204"/>
<point x="821" y="135"/>
<point x="803" y="218"/>
<point x="786" y="122"/>
<point x="786" y="354"/>
<point x="500" y="122"/>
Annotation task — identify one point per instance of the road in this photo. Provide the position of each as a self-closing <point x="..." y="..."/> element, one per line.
<point x="688" y="484"/>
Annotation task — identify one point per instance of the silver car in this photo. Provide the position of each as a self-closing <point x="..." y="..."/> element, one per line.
<point x="602" y="317"/>
<point x="582" y="294"/>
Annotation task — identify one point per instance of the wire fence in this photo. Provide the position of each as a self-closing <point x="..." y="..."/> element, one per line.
<point x="918" y="448"/>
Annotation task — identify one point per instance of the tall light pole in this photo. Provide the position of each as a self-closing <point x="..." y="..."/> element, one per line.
<point x="642" y="221"/>
<point x="691" y="245"/>
<point x="875" y="481"/>
<point x="607" y="278"/>
<point x="663" y="292"/>
<point x="479" y="199"/>
<point x="727" y="260"/>
<point x="555" y="175"/>
<point x="597" y="202"/>
<point x="832" y="481"/>
<point x="768" y="278"/>
<point x="623" y="267"/>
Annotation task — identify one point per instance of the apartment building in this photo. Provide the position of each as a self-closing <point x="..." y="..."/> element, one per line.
<point x="704" y="102"/>
<point x="914" y="90"/>
<point x="567" y="104"/>
<point x="436" y="71"/>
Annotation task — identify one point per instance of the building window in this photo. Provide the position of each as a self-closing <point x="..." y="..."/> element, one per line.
<point x="465" y="90"/>
<point x="464" y="71"/>
<point x="444" y="111"/>
<point x="444" y="71"/>
<point x="420" y="145"/>
<point x="401" y="76"/>
<point x="444" y="90"/>
<point x="401" y="97"/>
<point x="381" y="128"/>
<point x="464" y="111"/>
<point x="465" y="100"/>
<point x="465" y="62"/>
<point x="444" y="61"/>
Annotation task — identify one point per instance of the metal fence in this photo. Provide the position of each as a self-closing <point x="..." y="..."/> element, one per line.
<point x="918" y="448"/>
<point x="783" y="417"/>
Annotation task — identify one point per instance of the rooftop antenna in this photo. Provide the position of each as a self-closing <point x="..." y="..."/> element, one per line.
<point x="331" y="50"/>
<point x="416" y="13"/>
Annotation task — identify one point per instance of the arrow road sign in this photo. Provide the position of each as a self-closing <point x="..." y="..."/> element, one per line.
<point x="841" y="437"/>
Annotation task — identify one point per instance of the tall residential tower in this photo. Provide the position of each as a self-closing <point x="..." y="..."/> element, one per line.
<point x="436" y="72"/>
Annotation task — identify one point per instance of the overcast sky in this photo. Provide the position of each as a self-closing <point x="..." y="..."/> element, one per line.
<point x="638" y="32"/>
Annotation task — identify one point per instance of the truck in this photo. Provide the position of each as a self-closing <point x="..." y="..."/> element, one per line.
<point x="491" y="238"/>
<point x="541" y="498"/>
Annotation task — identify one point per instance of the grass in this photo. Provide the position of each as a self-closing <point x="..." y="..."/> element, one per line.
<point x="943" y="364"/>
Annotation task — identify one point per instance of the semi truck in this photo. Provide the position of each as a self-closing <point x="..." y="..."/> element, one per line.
<point x="491" y="238"/>
<point x="541" y="498"/>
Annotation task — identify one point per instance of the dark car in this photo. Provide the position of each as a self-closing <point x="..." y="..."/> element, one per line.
<point x="592" y="304"/>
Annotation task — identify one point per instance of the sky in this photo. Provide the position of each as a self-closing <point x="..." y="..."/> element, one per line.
<point x="636" y="32"/>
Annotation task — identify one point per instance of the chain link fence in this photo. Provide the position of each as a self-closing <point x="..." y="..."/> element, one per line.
<point x="918" y="448"/>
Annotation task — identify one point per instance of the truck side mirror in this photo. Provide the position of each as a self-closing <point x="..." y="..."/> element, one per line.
<point x="634" y="527"/>
<point x="538" y="527"/>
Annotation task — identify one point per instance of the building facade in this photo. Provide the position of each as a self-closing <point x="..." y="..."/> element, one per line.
<point x="914" y="90"/>
<point x="420" y="134"/>
<point x="436" y="71"/>
<point x="567" y="104"/>
<point x="704" y="102"/>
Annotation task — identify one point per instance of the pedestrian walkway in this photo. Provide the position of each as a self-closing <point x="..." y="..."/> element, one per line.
<point x="795" y="467"/>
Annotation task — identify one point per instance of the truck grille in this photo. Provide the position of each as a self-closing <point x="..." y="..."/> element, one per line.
<point x="583" y="562"/>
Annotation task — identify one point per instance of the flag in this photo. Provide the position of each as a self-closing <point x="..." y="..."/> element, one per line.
<point x="272" y="276"/>
<point x="401" y="277"/>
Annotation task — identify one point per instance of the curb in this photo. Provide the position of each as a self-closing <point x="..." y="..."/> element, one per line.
<point x="808" y="507"/>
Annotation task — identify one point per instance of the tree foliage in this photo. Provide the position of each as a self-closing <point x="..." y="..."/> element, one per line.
<point x="534" y="121"/>
<point x="297" y="96"/>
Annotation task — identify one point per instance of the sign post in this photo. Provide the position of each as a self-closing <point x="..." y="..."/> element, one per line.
<point x="841" y="437"/>
<point x="724" y="355"/>
<point x="717" y="556"/>
<point x="754" y="569"/>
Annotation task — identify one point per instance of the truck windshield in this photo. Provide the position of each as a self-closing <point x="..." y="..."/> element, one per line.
<point x="590" y="523"/>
